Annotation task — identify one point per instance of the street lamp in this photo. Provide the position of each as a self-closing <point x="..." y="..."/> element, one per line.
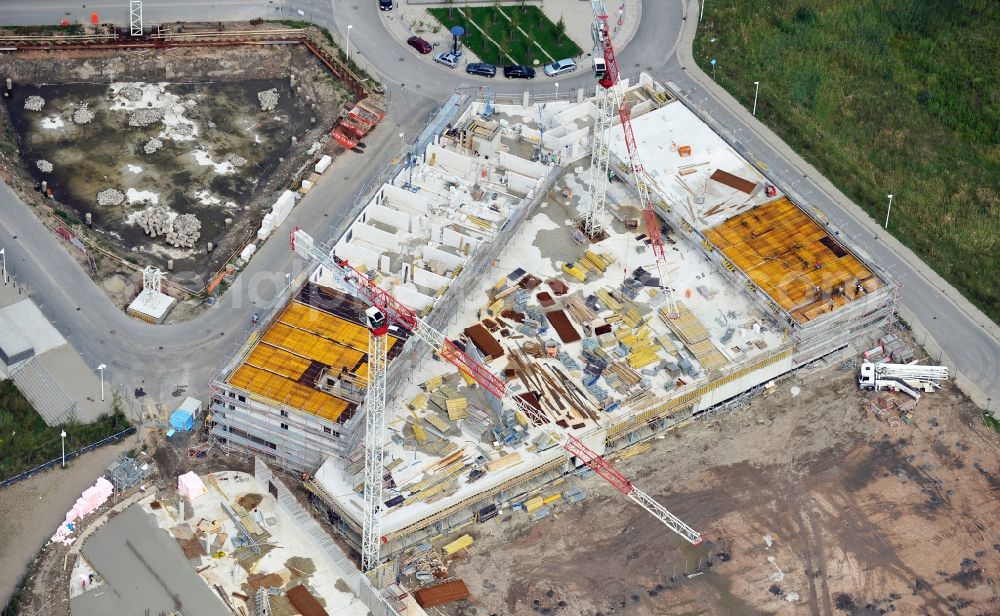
<point x="101" y="368"/>
<point x="755" y="93"/>
<point x="889" y="211"/>
<point x="3" y="253"/>
<point x="713" y="69"/>
<point x="402" y="145"/>
<point x="557" y="90"/>
<point x="349" y="44"/>
<point x="63" y="436"/>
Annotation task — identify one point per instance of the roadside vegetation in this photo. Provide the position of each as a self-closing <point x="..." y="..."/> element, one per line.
<point x="890" y="96"/>
<point x="504" y="40"/>
<point x="26" y="441"/>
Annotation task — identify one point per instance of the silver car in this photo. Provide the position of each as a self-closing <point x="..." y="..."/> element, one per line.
<point x="449" y="59"/>
<point x="559" y="67"/>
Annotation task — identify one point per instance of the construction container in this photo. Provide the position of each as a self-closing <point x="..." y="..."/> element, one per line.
<point x="323" y="164"/>
<point x="441" y="594"/>
<point x="458" y="544"/>
<point x="487" y="513"/>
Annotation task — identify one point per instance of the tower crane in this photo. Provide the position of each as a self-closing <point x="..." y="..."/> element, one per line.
<point x="611" y="99"/>
<point x="392" y="311"/>
<point x="371" y="534"/>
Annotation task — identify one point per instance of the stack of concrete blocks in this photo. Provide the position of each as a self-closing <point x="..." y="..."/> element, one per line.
<point x="277" y="215"/>
<point x="92" y="498"/>
<point x="248" y="251"/>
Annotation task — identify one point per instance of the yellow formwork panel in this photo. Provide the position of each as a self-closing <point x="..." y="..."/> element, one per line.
<point x="533" y="504"/>
<point x="458" y="544"/>
<point x="314" y="347"/>
<point x="278" y="361"/>
<point x="288" y="392"/>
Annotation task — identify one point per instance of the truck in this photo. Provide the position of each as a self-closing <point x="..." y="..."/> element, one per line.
<point x="908" y="378"/>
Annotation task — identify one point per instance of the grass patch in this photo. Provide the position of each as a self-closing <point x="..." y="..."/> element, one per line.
<point x="891" y="96"/>
<point x="503" y="25"/>
<point x="990" y="421"/>
<point x="26" y="441"/>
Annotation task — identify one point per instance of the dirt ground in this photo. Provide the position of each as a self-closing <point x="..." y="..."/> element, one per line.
<point x="239" y="197"/>
<point x="808" y="504"/>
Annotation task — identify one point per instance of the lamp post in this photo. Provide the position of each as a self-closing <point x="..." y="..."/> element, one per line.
<point x="713" y="69"/>
<point x="63" y="436"/>
<point x="349" y="43"/>
<point x="557" y="90"/>
<point x="101" y="369"/>
<point x="3" y="253"/>
<point x="702" y="13"/>
<point x="889" y="211"/>
<point x="402" y="146"/>
<point x="755" y="93"/>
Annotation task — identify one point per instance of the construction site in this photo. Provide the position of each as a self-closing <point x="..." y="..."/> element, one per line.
<point x="169" y="152"/>
<point x="535" y="375"/>
<point x="522" y="350"/>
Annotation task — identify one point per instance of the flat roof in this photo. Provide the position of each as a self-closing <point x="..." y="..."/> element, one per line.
<point x="319" y="332"/>
<point x="793" y="259"/>
<point x="152" y="303"/>
<point x="22" y="323"/>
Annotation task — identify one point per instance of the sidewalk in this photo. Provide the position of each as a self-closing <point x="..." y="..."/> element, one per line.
<point x="858" y="216"/>
<point x="409" y="19"/>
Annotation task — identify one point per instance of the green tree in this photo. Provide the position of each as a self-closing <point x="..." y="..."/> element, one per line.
<point x="496" y="11"/>
<point x="451" y="6"/>
<point x="541" y="13"/>
<point x="560" y="30"/>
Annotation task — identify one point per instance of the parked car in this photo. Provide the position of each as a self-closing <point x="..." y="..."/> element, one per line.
<point x="560" y="67"/>
<point x="481" y="68"/>
<point x="385" y="5"/>
<point x="449" y="59"/>
<point x="518" y="71"/>
<point x="419" y="44"/>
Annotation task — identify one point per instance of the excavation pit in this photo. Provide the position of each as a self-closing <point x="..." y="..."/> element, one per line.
<point x="163" y="147"/>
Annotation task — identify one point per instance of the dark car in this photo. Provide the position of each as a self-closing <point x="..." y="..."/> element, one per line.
<point x="419" y="44"/>
<point x="385" y="5"/>
<point x="518" y="71"/>
<point x="481" y="68"/>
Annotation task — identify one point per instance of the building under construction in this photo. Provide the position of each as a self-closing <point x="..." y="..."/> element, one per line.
<point x="479" y="236"/>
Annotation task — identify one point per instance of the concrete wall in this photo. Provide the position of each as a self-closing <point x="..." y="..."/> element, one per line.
<point x="456" y="239"/>
<point x="388" y="216"/>
<point x="452" y="162"/>
<point x="412" y="298"/>
<point x="378" y="237"/>
<point x="524" y="167"/>
<point x="427" y="278"/>
<point x="449" y="260"/>
<point x="400" y="197"/>
<point x="357" y="254"/>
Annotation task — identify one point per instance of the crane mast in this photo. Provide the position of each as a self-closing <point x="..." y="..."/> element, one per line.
<point x="371" y="534"/>
<point x="611" y="97"/>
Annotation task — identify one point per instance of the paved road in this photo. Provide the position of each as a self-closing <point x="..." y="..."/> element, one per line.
<point x="189" y="351"/>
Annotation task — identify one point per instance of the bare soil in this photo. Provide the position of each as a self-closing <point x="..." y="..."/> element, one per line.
<point x="861" y="519"/>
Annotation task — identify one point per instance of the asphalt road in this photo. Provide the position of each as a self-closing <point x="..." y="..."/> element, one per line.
<point x="187" y="353"/>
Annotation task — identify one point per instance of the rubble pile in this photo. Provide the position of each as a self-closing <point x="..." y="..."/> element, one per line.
<point x="180" y="231"/>
<point x="268" y="99"/>
<point x="152" y="145"/>
<point x="236" y="160"/>
<point x="110" y="196"/>
<point x="83" y="114"/>
<point x="155" y="221"/>
<point x="34" y="103"/>
<point x="185" y="231"/>
<point x="183" y="129"/>
<point x="131" y="93"/>
<point x="44" y="166"/>
<point x="145" y="117"/>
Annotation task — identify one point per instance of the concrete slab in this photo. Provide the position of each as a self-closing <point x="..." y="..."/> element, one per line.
<point x="144" y="570"/>
<point x="25" y="319"/>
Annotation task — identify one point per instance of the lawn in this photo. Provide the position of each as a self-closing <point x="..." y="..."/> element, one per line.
<point x="883" y="96"/>
<point x="25" y="440"/>
<point x="503" y="25"/>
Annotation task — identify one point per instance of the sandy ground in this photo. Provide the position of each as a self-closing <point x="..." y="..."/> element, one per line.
<point x="808" y="504"/>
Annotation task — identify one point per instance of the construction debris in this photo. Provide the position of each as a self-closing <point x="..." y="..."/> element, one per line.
<point x="152" y="145"/>
<point x="34" y="103"/>
<point x="145" y="117"/>
<point x="178" y="230"/>
<point x="268" y="99"/>
<point x="84" y="114"/>
<point x="44" y="166"/>
<point x="110" y="196"/>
